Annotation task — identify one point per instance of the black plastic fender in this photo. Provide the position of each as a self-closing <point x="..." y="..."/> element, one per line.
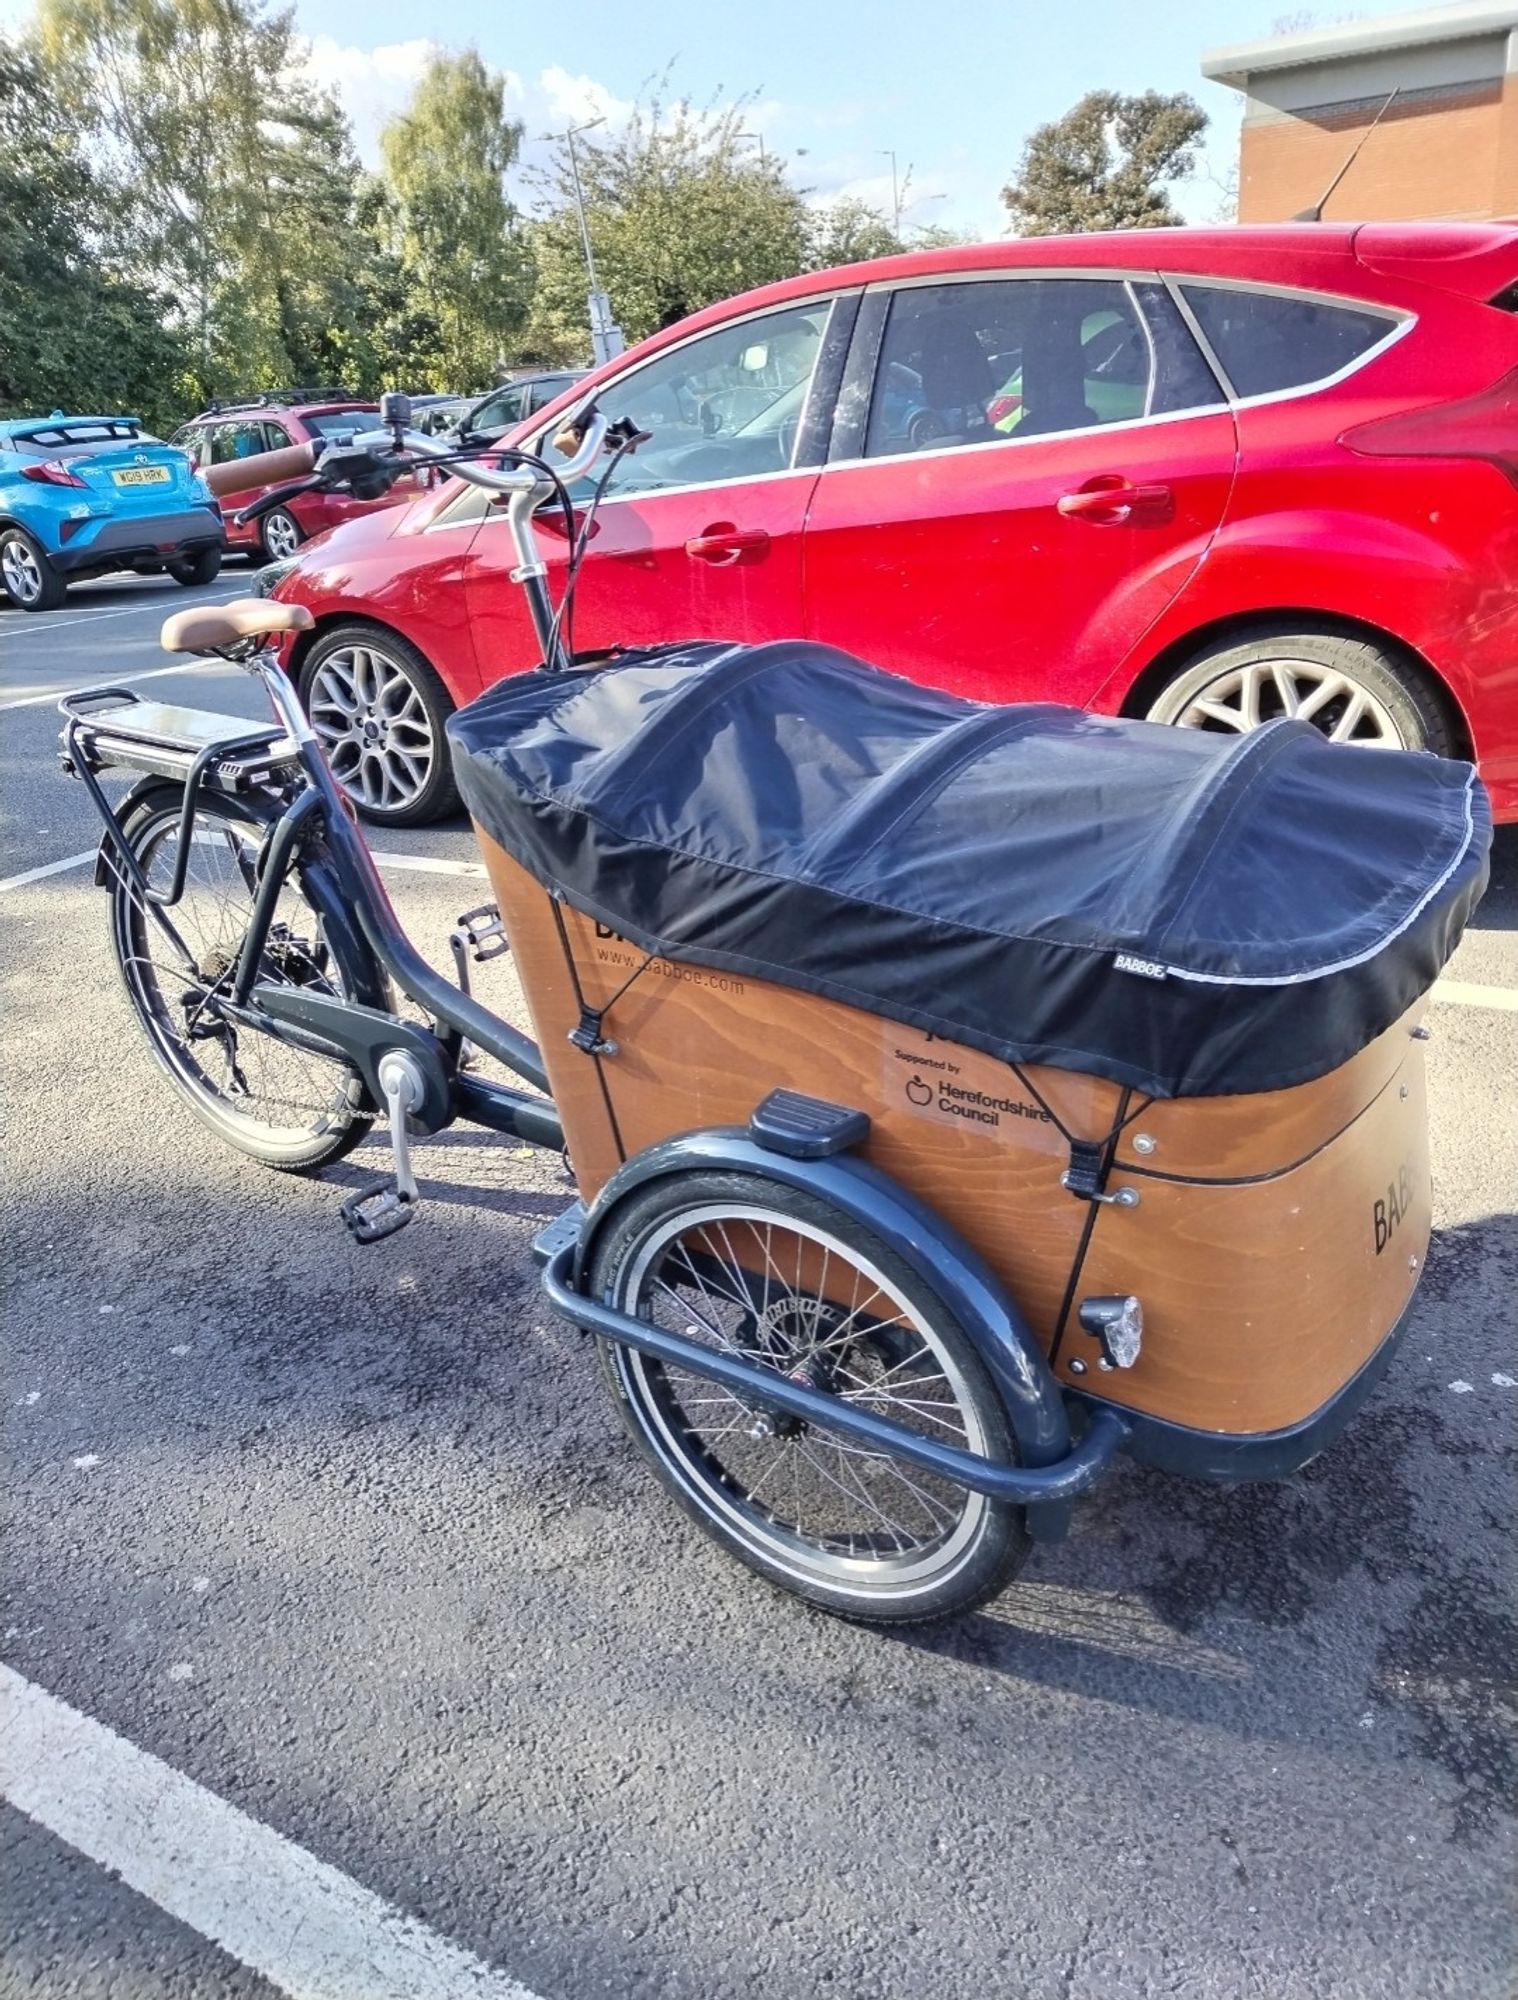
<point x="1030" y="1395"/>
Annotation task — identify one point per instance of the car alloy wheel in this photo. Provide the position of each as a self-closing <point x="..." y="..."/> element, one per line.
<point x="1243" y="697"/>
<point x="281" y="535"/>
<point x="374" y="727"/>
<point x="21" y="570"/>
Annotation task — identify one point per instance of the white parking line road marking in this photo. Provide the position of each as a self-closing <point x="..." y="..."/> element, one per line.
<point x="306" y="1927"/>
<point x="421" y="864"/>
<point x="186" y="666"/>
<point x="52" y="868"/>
<point x="428" y="864"/>
<point x="1458" y="994"/>
<point x="1449" y="992"/>
<point x="44" y="623"/>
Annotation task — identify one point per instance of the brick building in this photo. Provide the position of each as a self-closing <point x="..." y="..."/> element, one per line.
<point x="1446" y="147"/>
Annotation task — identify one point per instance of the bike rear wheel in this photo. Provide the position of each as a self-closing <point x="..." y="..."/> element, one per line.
<point x="281" y="1105"/>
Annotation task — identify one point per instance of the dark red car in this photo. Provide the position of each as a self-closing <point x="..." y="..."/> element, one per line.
<point x="271" y="423"/>
<point x="1208" y="476"/>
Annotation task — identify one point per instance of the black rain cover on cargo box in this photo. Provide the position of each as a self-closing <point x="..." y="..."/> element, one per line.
<point x="1186" y="912"/>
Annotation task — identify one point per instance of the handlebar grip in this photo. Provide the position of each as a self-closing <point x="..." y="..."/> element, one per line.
<point x="264" y="468"/>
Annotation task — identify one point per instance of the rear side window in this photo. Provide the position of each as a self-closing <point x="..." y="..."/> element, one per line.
<point x="977" y="360"/>
<point x="1270" y="341"/>
<point x="339" y="423"/>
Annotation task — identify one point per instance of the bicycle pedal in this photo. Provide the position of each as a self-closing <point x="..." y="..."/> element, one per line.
<point x="377" y="1211"/>
<point x="484" y="933"/>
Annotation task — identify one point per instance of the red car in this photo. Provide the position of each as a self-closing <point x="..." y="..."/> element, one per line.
<point x="1208" y="476"/>
<point x="271" y="423"/>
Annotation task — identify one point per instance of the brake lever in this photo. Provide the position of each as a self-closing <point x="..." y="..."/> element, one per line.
<point x="276" y="497"/>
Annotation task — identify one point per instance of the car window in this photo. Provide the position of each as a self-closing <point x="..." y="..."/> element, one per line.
<point x="499" y="410"/>
<point x="339" y="423"/>
<point x="191" y="440"/>
<point x="229" y="441"/>
<point x="540" y="394"/>
<point x="1269" y="341"/>
<point x="276" y="437"/>
<point x="967" y="363"/>
<point x="726" y="405"/>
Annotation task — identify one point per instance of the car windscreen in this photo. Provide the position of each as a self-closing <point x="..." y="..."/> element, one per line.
<point x="339" y="423"/>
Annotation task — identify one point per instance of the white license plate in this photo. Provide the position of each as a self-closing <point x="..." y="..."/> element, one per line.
<point x="143" y="475"/>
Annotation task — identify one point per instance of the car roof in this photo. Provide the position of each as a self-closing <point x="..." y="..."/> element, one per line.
<point x="1300" y="255"/>
<point x="257" y="406"/>
<point x="26" y="426"/>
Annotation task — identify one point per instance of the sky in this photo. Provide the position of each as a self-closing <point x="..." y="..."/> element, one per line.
<point x="953" y="87"/>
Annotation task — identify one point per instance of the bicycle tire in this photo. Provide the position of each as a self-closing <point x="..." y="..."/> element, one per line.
<point x="331" y="960"/>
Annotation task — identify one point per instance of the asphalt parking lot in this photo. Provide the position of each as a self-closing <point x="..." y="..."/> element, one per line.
<point x="351" y="1585"/>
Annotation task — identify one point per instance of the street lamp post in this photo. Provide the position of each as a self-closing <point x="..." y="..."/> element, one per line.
<point x="605" y="335"/>
<point x="889" y="153"/>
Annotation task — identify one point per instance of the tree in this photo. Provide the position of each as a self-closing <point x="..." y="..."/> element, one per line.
<point x="1106" y="164"/>
<point x="681" y="213"/>
<point x="848" y="231"/>
<point x="452" y="228"/>
<point x="75" y="332"/>
<point x="228" y="176"/>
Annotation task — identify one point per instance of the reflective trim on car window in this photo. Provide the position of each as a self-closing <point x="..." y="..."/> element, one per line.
<point x="1399" y="323"/>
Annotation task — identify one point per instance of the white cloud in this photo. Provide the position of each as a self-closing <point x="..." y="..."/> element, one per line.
<point x="372" y="84"/>
<point x="561" y="99"/>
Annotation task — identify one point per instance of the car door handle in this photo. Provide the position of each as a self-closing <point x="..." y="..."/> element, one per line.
<point x="1111" y="500"/>
<point x="722" y="545"/>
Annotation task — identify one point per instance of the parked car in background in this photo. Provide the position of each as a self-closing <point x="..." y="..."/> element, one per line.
<point x="504" y="408"/>
<point x="271" y="422"/>
<point x="80" y="496"/>
<point x="1207" y="476"/>
<point x="440" y="414"/>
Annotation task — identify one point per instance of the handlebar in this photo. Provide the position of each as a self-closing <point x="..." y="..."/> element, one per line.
<point x="383" y="455"/>
<point x="264" y="468"/>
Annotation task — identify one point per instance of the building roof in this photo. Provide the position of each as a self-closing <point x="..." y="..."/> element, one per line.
<point x="1468" y="19"/>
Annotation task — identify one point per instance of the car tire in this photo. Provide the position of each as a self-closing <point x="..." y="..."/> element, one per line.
<point x="26" y="576"/>
<point x="202" y="567"/>
<point x="279" y="535"/>
<point x="1354" y="690"/>
<point x="379" y="710"/>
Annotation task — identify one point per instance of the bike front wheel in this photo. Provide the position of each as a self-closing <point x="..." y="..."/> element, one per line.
<point x="783" y="1279"/>
<point x="281" y="1105"/>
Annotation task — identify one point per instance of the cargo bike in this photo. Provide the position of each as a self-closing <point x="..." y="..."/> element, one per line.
<point x="957" y="1096"/>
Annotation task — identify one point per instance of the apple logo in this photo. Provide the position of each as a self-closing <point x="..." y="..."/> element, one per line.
<point x="920" y="1092"/>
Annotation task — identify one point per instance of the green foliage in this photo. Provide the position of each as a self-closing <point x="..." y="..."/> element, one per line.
<point x="75" y="332"/>
<point x="681" y="213"/>
<point x="850" y="232"/>
<point x="1106" y="164"/>
<point x="456" y="236"/>
<point x="229" y="177"/>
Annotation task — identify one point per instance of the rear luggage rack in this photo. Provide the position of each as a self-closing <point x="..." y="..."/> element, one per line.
<point x="110" y="727"/>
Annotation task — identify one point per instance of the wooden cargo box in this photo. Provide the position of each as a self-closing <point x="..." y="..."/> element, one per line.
<point x="1276" y="1238"/>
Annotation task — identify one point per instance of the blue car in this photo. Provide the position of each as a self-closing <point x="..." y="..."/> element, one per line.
<point x="81" y="495"/>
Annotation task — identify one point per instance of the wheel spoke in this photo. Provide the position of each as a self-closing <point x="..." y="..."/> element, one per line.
<point x="799" y="1300"/>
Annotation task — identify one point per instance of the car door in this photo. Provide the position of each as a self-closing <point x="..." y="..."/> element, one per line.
<point x="1024" y="472"/>
<point x="698" y="535"/>
<point x="241" y="437"/>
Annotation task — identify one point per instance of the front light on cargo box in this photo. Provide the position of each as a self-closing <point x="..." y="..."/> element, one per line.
<point x="1117" y="1322"/>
